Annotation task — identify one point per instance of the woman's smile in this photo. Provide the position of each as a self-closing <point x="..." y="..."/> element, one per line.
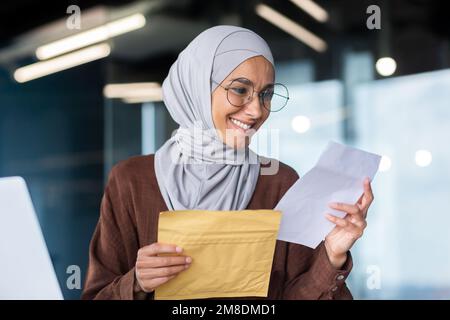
<point x="241" y="125"/>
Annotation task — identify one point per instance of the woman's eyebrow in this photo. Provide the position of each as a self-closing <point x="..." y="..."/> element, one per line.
<point x="247" y="81"/>
<point x="242" y="80"/>
<point x="267" y="86"/>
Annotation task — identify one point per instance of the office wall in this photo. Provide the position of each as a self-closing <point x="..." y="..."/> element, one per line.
<point x="52" y="134"/>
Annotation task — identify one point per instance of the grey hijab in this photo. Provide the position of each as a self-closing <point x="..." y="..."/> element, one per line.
<point x="194" y="168"/>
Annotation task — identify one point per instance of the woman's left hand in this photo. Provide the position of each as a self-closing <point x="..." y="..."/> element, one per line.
<point x="347" y="229"/>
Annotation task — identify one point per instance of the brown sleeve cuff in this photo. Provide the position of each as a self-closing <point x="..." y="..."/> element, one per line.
<point x="126" y="287"/>
<point x="327" y="278"/>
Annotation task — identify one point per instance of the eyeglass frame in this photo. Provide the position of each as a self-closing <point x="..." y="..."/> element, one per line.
<point x="259" y="93"/>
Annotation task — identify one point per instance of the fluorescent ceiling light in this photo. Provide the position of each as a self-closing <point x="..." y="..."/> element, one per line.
<point x="43" y="68"/>
<point x="313" y="9"/>
<point x="91" y="36"/>
<point x="291" y="27"/>
<point x="148" y="98"/>
<point x="134" y="92"/>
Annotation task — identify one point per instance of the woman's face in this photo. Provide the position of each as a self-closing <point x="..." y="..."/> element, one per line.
<point x="231" y="122"/>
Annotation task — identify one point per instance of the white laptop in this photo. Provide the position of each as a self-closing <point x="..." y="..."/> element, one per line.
<point x="26" y="271"/>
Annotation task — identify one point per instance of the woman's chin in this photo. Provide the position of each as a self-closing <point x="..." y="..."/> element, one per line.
<point x="237" y="138"/>
<point x="241" y="146"/>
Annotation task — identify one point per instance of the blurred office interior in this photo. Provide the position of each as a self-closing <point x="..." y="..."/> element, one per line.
<point x="385" y="90"/>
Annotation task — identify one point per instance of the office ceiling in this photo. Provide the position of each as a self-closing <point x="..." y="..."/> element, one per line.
<point x="419" y="30"/>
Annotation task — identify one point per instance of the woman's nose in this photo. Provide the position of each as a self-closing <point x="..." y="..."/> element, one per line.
<point x="254" y="108"/>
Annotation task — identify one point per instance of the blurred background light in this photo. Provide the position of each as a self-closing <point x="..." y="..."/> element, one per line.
<point x="386" y="66"/>
<point x="134" y="92"/>
<point x="313" y="9"/>
<point x="291" y="27"/>
<point x="301" y="124"/>
<point x="70" y="60"/>
<point x="92" y="36"/>
<point x="423" y="158"/>
<point x="385" y="164"/>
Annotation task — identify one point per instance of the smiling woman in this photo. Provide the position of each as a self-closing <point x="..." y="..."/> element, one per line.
<point x="210" y="90"/>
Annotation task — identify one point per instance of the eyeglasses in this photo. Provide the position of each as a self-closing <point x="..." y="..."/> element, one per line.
<point x="241" y="91"/>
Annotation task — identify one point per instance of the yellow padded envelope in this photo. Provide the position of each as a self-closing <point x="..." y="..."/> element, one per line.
<point x="232" y="252"/>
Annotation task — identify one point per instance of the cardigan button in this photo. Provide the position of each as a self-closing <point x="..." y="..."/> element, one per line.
<point x="340" y="277"/>
<point x="334" y="288"/>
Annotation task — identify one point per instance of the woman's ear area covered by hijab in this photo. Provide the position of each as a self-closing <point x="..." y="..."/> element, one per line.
<point x="232" y="122"/>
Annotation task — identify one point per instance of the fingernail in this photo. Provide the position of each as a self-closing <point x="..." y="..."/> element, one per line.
<point x="187" y="266"/>
<point x="333" y="204"/>
<point x="188" y="259"/>
<point x="179" y="249"/>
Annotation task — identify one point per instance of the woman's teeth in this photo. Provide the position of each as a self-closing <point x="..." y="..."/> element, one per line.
<point x="240" y="124"/>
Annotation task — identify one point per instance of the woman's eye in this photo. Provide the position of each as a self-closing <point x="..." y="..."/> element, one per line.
<point x="239" y="90"/>
<point x="267" y="95"/>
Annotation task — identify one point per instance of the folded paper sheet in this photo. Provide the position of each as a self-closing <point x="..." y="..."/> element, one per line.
<point x="337" y="177"/>
<point x="232" y="252"/>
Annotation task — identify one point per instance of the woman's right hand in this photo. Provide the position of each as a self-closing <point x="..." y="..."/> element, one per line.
<point x="152" y="270"/>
